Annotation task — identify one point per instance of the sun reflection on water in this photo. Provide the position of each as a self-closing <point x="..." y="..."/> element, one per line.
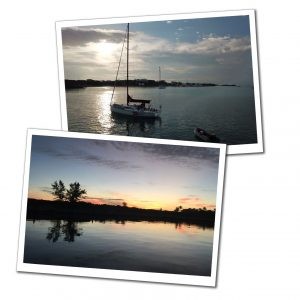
<point x="104" y="117"/>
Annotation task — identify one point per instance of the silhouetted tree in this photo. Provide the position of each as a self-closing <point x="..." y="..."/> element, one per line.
<point x="75" y="192"/>
<point x="124" y="204"/>
<point x="58" y="190"/>
<point x="178" y="208"/>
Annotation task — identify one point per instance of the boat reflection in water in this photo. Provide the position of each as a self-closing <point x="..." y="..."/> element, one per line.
<point x="136" y="126"/>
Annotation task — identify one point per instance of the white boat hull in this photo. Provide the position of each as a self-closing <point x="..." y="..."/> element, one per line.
<point x="133" y="111"/>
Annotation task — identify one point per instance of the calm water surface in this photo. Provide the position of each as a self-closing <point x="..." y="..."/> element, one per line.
<point x="136" y="246"/>
<point x="227" y="111"/>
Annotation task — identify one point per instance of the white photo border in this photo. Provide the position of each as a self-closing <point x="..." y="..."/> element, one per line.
<point x="231" y="149"/>
<point x="118" y="274"/>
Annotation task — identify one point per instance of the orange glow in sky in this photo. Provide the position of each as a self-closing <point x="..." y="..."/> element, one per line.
<point x="151" y="176"/>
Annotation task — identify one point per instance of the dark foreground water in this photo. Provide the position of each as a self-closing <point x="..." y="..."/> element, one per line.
<point x="136" y="246"/>
<point x="229" y="112"/>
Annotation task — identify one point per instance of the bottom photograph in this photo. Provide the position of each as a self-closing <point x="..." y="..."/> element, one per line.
<point x="120" y="207"/>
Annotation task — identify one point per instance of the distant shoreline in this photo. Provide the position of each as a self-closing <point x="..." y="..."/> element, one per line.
<point x="80" y="84"/>
<point x="83" y="211"/>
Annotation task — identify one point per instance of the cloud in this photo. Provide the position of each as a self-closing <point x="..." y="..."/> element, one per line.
<point x="187" y="200"/>
<point x="82" y="57"/>
<point x="75" y="36"/>
<point x="195" y="201"/>
<point x="70" y="149"/>
<point x="215" y="45"/>
<point x="186" y="155"/>
<point x="145" y="43"/>
<point x="210" y="206"/>
<point x="129" y="156"/>
<point x="211" y="58"/>
<point x="146" y="201"/>
<point x="210" y="44"/>
<point x="46" y="189"/>
<point x="103" y="200"/>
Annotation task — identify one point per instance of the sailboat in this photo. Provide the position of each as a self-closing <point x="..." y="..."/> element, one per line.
<point x="134" y="107"/>
<point x="161" y="85"/>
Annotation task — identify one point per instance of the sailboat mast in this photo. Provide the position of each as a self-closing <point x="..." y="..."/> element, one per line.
<point x="127" y="82"/>
<point x="159" y="75"/>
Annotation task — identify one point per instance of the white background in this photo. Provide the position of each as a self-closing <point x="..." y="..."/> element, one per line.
<point x="260" y="247"/>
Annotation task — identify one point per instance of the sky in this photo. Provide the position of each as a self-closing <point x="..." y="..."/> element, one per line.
<point x="216" y="50"/>
<point x="141" y="174"/>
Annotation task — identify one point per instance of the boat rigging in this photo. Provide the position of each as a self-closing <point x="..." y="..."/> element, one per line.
<point x="134" y="107"/>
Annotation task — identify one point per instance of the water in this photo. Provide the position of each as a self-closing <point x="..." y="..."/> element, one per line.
<point x="229" y="112"/>
<point x="136" y="246"/>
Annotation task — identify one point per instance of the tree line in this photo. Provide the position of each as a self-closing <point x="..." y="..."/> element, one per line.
<point x="76" y="193"/>
<point x="77" y="84"/>
<point x="82" y="211"/>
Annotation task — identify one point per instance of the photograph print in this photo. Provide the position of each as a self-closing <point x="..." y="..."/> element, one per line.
<point x="189" y="77"/>
<point x="108" y="207"/>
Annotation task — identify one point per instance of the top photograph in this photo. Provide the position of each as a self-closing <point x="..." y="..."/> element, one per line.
<point x="190" y="77"/>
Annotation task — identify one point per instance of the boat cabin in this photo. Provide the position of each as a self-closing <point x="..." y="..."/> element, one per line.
<point x="141" y="101"/>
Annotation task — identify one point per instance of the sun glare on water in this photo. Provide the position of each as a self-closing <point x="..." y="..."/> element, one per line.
<point x="105" y="114"/>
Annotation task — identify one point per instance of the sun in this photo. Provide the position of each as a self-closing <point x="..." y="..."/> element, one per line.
<point x="106" y="50"/>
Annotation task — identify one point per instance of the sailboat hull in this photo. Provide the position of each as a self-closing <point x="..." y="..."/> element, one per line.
<point x="133" y="111"/>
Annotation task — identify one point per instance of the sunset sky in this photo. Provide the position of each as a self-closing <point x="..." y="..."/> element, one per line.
<point x="143" y="175"/>
<point x="214" y="50"/>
